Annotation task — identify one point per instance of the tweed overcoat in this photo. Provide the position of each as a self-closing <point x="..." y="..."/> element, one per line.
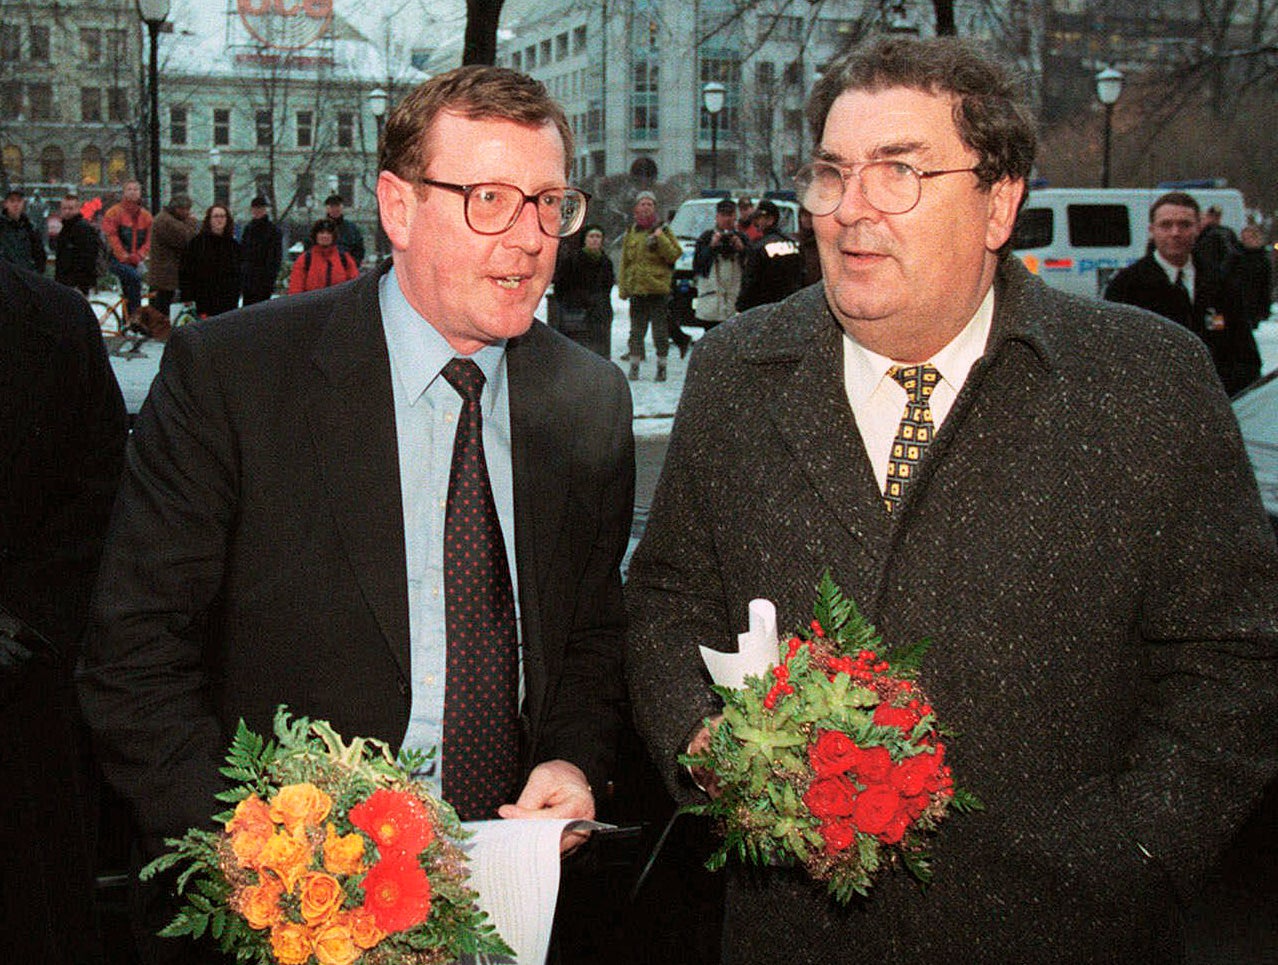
<point x="1086" y="547"/>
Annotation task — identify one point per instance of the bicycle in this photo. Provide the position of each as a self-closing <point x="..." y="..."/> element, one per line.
<point x="125" y="338"/>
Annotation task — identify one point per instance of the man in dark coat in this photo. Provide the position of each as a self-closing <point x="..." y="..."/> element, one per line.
<point x="279" y="537"/>
<point x="1172" y="281"/>
<point x="20" y="243"/>
<point x="62" y="432"/>
<point x="1177" y="281"/>
<point x="1083" y="541"/>
<point x="76" y="249"/>
<point x="349" y="238"/>
<point x="263" y="253"/>
<point x="773" y="265"/>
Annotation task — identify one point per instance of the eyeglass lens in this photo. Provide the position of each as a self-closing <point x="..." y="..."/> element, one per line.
<point x="888" y="186"/>
<point x="492" y="208"/>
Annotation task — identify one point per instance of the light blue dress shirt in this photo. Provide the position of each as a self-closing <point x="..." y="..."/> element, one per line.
<point x="426" y="411"/>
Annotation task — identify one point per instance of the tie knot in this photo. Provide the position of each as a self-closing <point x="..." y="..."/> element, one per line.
<point x="917" y="380"/>
<point x="466" y="377"/>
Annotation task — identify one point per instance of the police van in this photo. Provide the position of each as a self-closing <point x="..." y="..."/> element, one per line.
<point x="1076" y="239"/>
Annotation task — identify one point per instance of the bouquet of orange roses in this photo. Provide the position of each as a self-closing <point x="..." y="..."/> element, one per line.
<point x="832" y="757"/>
<point x="332" y="854"/>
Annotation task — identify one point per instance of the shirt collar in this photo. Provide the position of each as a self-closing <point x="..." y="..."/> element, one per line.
<point x="1171" y="270"/>
<point x="418" y="351"/>
<point x="867" y="369"/>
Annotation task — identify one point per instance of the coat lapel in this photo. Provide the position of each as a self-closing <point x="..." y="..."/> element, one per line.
<point x="801" y="385"/>
<point x="351" y="414"/>
<point x="541" y="455"/>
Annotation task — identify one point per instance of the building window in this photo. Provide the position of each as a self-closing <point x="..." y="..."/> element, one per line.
<point x="38" y="43"/>
<point x="90" y="105"/>
<point x="91" y="45"/>
<point x="222" y="187"/>
<point x="179" y="183"/>
<point x="40" y="97"/>
<point x="346" y="188"/>
<point x="10" y="98"/>
<point x="305" y="128"/>
<point x="90" y="166"/>
<point x="13" y="162"/>
<point x="723" y="66"/>
<point x="177" y="125"/>
<point x="793" y="75"/>
<point x="579" y="40"/>
<point x="794" y="122"/>
<point x="117" y="45"/>
<point x="221" y="126"/>
<point x="516" y="61"/>
<point x="644" y="122"/>
<point x="304" y="190"/>
<point x="561" y="46"/>
<point x="117" y="165"/>
<point x="118" y="104"/>
<point x="345" y="128"/>
<point x="52" y="165"/>
<point x="530" y="57"/>
<point x="544" y="55"/>
<point x="265" y="128"/>
<point x="10" y="43"/>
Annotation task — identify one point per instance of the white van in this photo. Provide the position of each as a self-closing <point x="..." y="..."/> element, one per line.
<point x="1075" y="239"/>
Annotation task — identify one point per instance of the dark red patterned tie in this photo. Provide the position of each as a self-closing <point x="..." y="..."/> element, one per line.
<point x="481" y="723"/>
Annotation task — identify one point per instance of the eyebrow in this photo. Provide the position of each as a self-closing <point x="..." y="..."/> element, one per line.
<point x="882" y="152"/>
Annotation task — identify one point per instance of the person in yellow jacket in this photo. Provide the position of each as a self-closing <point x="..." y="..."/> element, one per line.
<point x="648" y="256"/>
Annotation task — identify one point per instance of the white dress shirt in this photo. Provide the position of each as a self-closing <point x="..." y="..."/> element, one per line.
<point x="878" y="401"/>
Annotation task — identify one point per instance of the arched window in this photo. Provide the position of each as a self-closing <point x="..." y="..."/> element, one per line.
<point x="117" y="166"/>
<point x="52" y="165"/>
<point x="90" y="166"/>
<point x="13" y="162"/>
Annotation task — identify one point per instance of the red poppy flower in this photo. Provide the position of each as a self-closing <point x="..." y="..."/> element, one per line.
<point x="397" y="822"/>
<point x="397" y="893"/>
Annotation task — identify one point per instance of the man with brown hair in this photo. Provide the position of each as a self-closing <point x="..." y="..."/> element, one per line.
<point x="1081" y="538"/>
<point x="285" y="525"/>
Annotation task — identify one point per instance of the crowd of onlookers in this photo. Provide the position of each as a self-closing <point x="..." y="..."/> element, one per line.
<point x="209" y="262"/>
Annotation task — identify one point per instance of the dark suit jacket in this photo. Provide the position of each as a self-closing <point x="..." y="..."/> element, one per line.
<point x="256" y="555"/>
<point x="1144" y="284"/>
<point x="1084" y="544"/>
<point x="62" y="432"/>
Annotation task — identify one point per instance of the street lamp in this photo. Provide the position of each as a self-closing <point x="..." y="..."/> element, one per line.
<point x="1109" y="85"/>
<point x="153" y="14"/>
<point x="712" y="98"/>
<point x="377" y="101"/>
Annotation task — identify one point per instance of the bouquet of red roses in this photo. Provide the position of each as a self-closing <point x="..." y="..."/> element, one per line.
<point x="333" y="855"/>
<point x="832" y="759"/>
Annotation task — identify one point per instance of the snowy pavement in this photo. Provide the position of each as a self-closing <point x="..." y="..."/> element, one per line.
<point x="654" y="402"/>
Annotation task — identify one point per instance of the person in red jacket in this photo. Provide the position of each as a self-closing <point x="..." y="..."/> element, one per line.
<point x="127" y="228"/>
<point x="323" y="264"/>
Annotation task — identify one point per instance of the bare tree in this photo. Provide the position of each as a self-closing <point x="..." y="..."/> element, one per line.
<point x="480" y="45"/>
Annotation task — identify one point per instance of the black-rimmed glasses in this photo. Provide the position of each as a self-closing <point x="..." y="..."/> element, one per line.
<point x="492" y="207"/>
<point x="890" y="187"/>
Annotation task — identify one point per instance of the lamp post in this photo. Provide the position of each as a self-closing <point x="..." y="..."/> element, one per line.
<point x="1109" y="85"/>
<point x="153" y="14"/>
<point x="377" y="100"/>
<point x="712" y="98"/>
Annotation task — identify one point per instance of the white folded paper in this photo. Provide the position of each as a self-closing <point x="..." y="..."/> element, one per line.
<point x="756" y="649"/>
<point x="514" y="865"/>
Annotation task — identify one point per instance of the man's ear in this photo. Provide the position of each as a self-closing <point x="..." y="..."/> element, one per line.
<point x="397" y="206"/>
<point x="1004" y="202"/>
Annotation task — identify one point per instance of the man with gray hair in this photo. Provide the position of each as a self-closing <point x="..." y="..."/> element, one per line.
<point x="1081" y="536"/>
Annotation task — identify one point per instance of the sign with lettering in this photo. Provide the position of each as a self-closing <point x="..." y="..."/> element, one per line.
<point x="286" y="24"/>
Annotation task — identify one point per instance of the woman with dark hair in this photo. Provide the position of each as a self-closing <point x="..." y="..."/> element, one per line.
<point x="210" y="272"/>
<point x="323" y="264"/>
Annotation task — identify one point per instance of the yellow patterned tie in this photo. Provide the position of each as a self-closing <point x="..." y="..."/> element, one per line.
<point x="915" y="431"/>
